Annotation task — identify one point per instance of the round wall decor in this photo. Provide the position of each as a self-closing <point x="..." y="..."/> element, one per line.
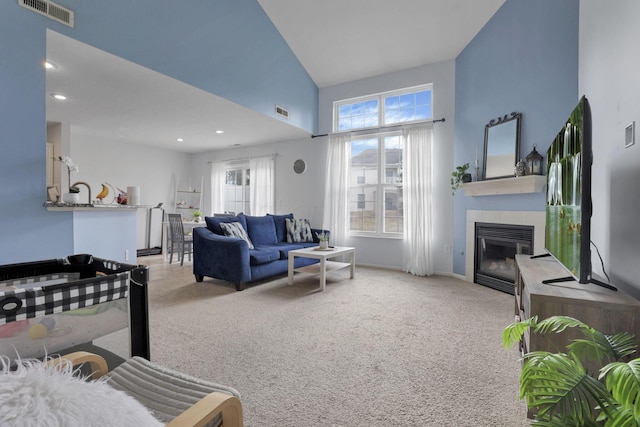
<point x="299" y="166"/>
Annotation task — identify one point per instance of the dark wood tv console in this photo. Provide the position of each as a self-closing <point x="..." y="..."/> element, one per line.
<point x="603" y="309"/>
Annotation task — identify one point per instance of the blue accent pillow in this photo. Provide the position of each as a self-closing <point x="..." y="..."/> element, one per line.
<point x="213" y="222"/>
<point x="281" y="226"/>
<point x="261" y="230"/>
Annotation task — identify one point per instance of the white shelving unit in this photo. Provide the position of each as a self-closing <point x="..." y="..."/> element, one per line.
<point x="188" y="200"/>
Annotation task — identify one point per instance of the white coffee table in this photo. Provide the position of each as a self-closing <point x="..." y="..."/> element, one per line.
<point x="324" y="265"/>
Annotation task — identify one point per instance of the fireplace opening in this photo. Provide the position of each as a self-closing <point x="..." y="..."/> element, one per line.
<point x="496" y="247"/>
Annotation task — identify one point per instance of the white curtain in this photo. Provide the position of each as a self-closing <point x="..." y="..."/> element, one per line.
<point x="218" y="181"/>
<point x="262" y="184"/>
<point x="336" y="207"/>
<point x="417" y="196"/>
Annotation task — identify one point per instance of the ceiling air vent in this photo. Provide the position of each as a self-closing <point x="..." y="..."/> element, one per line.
<point x="282" y="112"/>
<point x="50" y="9"/>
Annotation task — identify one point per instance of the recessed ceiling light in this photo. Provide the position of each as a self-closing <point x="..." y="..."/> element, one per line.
<point x="59" y="96"/>
<point x="48" y="65"/>
<point x="180" y="140"/>
<point x="219" y="131"/>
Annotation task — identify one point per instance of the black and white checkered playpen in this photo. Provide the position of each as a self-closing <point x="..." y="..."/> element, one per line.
<point x="46" y="306"/>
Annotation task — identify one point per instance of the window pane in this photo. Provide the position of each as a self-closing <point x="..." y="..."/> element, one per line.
<point x="363" y="219"/>
<point x="370" y="120"/>
<point x="393" y="216"/>
<point x="358" y="115"/>
<point x="407" y="114"/>
<point x="371" y="107"/>
<point x="362" y="208"/>
<point x="344" y="124"/>
<point x="364" y="160"/>
<point x="423" y="98"/>
<point x="407" y="100"/>
<point x="393" y="159"/>
<point x="408" y="107"/>
<point x="357" y="122"/>
<point x="423" y="112"/>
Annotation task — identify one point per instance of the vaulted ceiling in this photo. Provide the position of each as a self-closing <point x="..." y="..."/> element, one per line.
<point x="336" y="41"/>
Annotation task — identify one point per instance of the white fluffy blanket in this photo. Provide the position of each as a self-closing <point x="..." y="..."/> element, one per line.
<point x="35" y="395"/>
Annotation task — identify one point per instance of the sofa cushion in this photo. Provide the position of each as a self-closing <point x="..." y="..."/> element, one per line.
<point x="281" y="226"/>
<point x="235" y="229"/>
<point x="263" y="255"/>
<point x="213" y="222"/>
<point x="298" y="230"/>
<point x="284" y="248"/>
<point x="261" y="230"/>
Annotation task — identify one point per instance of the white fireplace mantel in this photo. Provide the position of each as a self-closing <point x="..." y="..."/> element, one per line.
<point x="516" y="185"/>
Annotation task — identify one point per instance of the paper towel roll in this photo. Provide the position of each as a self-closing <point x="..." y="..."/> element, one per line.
<point x="133" y="196"/>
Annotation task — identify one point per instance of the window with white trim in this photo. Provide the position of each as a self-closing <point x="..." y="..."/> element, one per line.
<point x="237" y="195"/>
<point x="375" y="190"/>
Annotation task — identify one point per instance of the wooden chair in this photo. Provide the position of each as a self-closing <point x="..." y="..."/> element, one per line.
<point x="177" y="239"/>
<point x="175" y="398"/>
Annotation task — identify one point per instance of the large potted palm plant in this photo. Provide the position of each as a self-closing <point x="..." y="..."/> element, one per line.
<point x="561" y="388"/>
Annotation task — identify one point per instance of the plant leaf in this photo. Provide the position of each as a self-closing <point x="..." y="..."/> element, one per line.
<point x="559" y="384"/>
<point x="623" y="381"/>
<point x="513" y="333"/>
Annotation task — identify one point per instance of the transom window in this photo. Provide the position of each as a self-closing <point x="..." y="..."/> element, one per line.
<point x="388" y="108"/>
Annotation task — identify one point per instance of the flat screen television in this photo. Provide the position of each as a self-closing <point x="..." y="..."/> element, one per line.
<point x="568" y="210"/>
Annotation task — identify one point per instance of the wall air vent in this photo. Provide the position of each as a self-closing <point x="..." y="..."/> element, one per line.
<point x="49" y="9"/>
<point x="282" y="112"/>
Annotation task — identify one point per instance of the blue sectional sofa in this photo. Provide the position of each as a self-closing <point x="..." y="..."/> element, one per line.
<point x="230" y="258"/>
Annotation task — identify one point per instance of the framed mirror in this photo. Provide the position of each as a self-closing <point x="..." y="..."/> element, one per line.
<point x="501" y="146"/>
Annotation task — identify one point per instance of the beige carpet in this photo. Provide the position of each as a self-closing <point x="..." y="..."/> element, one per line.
<point x="384" y="349"/>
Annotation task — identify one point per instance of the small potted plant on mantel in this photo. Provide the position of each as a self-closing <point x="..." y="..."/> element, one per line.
<point x="459" y="176"/>
<point x="197" y="216"/>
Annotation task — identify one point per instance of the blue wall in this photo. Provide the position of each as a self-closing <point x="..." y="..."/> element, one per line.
<point x="226" y="47"/>
<point x="524" y="60"/>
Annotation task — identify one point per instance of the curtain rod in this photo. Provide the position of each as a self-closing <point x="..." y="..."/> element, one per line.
<point x="273" y="156"/>
<point x="377" y="128"/>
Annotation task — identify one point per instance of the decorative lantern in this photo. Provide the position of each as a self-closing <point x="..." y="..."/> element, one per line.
<point x="534" y="162"/>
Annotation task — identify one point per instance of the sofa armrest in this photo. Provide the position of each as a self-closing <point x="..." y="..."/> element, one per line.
<point x="221" y="257"/>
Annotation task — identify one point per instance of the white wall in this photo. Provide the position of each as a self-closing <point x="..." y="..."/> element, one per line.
<point x="303" y="194"/>
<point x="608" y="76"/>
<point x="154" y="170"/>
<point x="388" y="252"/>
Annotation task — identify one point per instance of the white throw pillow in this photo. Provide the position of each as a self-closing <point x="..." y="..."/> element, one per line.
<point x="235" y="229"/>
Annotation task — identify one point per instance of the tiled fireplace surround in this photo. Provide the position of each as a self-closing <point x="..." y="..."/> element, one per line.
<point x="532" y="218"/>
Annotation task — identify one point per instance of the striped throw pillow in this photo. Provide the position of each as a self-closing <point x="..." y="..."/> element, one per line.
<point x="298" y="230"/>
<point x="235" y="229"/>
